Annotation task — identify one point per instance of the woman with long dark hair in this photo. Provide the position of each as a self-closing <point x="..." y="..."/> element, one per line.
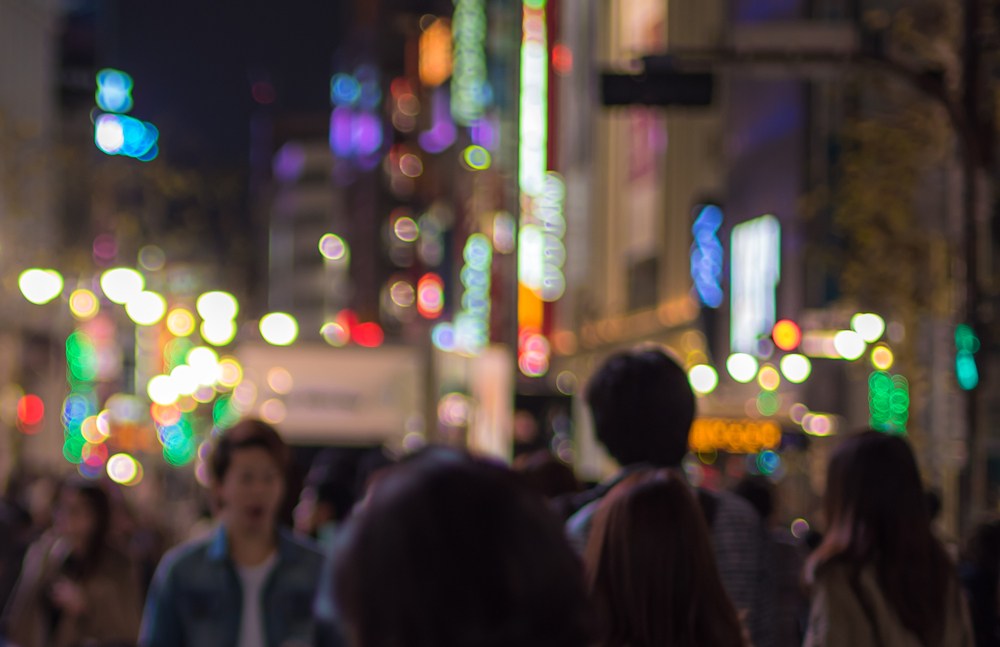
<point x="75" y="588"/>
<point x="652" y="571"/>
<point x="880" y="577"/>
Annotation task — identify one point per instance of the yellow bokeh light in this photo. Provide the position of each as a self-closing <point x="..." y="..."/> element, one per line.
<point x="882" y="358"/>
<point x="180" y="322"/>
<point x="230" y="372"/>
<point x="83" y="304"/>
<point x="768" y="378"/>
<point x="91" y="432"/>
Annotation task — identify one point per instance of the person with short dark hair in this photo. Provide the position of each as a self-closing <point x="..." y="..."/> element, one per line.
<point x="881" y="577"/>
<point x="651" y="569"/>
<point x="643" y="408"/>
<point x="75" y="588"/>
<point x="249" y="584"/>
<point x="448" y="552"/>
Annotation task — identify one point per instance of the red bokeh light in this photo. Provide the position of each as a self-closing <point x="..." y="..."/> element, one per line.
<point x="263" y="92"/>
<point x="368" y="335"/>
<point x="30" y="410"/>
<point x="399" y="87"/>
<point x="95" y="455"/>
<point x="562" y="59"/>
<point x="786" y="335"/>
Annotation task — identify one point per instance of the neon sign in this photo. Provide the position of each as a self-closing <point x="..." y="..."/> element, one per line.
<point x="706" y="256"/>
<point x="469" y="90"/>
<point x="534" y="99"/>
<point x="756" y="270"/>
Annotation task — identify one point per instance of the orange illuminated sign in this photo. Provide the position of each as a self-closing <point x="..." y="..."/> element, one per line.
<point x="737" y="436"/>
<point x="435" y="53"/>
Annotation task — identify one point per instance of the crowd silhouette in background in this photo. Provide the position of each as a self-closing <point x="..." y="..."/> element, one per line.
<point x="441" y="549"/>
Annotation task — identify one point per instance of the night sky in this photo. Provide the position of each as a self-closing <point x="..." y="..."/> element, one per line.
<point x="194" y="62"/>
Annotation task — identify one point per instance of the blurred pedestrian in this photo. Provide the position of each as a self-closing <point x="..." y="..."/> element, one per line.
<point x="880" y="577"/>
<point x="249" y="584"/>
<point x="548" y="477"/>
<point x="325" y="502"/>
<point x="75" y="588"/>
<point x="643" y="408"/>
<point x="980" y="574"/>
<point x="788" y="555"/>
<point x="447" y="552"/>
<point x="651" y="569"/>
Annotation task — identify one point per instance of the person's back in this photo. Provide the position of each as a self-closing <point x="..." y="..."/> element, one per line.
<point x="447" y="552"/>
<point x="652" y="572"/>
<point x="643" y="408"/>
<point x="881" y="578"/>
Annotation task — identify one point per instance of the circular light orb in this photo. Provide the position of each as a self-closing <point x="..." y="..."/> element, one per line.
<point x="768" y="378"/>
<point x="476" y="157"/>
<point x="742" y="367"/>
<point x="332" y="247"/>
<point x="109" y="134"/>
<point x="104" y="422"/>
<point x="121" y="284"/>
<point x="185" y="379"/>
<point x="797" y="412"/>
<point x="90" y="431"/>
<point x="849" y="344"/>
<point x="799" y="528"/>
<point x="882" y="358"/>
<point x="279" y="380"/>
<point x="40" y="286"/>
<point x="145" y="308"/>
<point x="279" y="328"/>
<point x="402" y="294"/>
<point x="786" y="335"/>
<point x="122" y="469"/>
<point x="272" y="411"/>
<point x="152" y="258"/>
<point x="410" y="165"/>
<point x="703" y="378"/>
<point x="83" y="304"/>
<point x="205" y="364"/>
<point x="230" y="372"/>
<point x="334" y="334"/>
<point x="218" y="332"/>
<point x="217" y="306"/>
<point x="796" y="368"/>
<point x="180" y="322"/>
<point x="406" y="229"/>
<point x="869" y="326"/>
<point x="162" y="390"/>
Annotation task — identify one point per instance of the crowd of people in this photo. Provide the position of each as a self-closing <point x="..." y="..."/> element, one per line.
<point x="442" y="549"/>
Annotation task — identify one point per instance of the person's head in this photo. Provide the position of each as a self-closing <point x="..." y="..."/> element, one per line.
<point x="327" y="501"/>
<point x="877" y="515"/>
<point x="652" y="571"/>
<point x="759" y="491"/>
<point x="643" y="408"/>
<point x="248" y="476"/>
<point x="83" y="517"/>
<point x="448" y="552"/>
<point x="545" y="474"/>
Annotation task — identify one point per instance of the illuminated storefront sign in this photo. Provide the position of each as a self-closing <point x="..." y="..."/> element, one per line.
<point x="470" y="333"/>
<point x="756" y="270"/>
<point x="734" y="435"/>
<point x="469" y="89"/>
<point x="706" y="256"/>
<point x="534" y="99"/>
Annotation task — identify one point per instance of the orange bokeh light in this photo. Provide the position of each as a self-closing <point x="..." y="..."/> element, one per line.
<point x="786" y="335"/>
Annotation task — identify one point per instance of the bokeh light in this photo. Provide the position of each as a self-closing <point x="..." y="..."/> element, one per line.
<point x="272" y="411"/>
<point x="703" y="378"/>
<point x="476" y="158"/>
<point x="406" y="229"/>
<point x="796" y="368"/>
<point x="332" y="247"/>
<point x="768" y="378"/>
<point x="185" y="379"/>
<point x="742" y="367"/>
<point x="230" y="372"/>
<point x="882" y="357"/>
<point x="152" y="258"/>
<point x="217" y="306"/>
<point x="430" y="296"/>
<point x="40" y="286"/>
<point x="279" y="328"/>
<point x="114" y="90"/>
<point x="30" y="410"/>
<point x="90" y="431"/>
<point x="165" y="414"/>
<point x="161" y="390"/>
<point x="145" y="308"/>
<point x="109" y="134"/>
<point x="122" y="469"/>
<point x="402" y="294"/>
<point x="180" y="322"/>
<point x="335" y="334"/>
<point x="369" y="335"/>
<point x="849" y="344"/>
<point x="205" y="364"/>
<point x="797" y="412"/>
<point x="121" y="284"/>
<point x="279" y="380"/>
<point x="786" y="335"/>
<point x="410" y="165"/>
<point x="83" y="304"/>
<point x="800" y="528"/>
<point x="218" y="332"/>
<point x="869" y="326"/>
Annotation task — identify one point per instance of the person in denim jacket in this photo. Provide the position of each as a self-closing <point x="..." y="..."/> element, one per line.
<point x="248" y="584"/>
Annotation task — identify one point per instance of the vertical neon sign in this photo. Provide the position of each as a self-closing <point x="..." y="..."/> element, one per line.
<point x="756" y="269"/>
<point x="469" y="90"/>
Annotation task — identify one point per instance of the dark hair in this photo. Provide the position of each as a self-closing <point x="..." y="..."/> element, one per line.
<point x="643" y="408"/>
<point x="249" y="432"/>
<point x="877" y="515"/>
<point x="652" y="571"/>
<point x="100" y="507"/>
<point x="338" y="493"/>
<point x="448" y="552"/>
<point x="759" y="492"/>
<point x="546" y="475"/>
